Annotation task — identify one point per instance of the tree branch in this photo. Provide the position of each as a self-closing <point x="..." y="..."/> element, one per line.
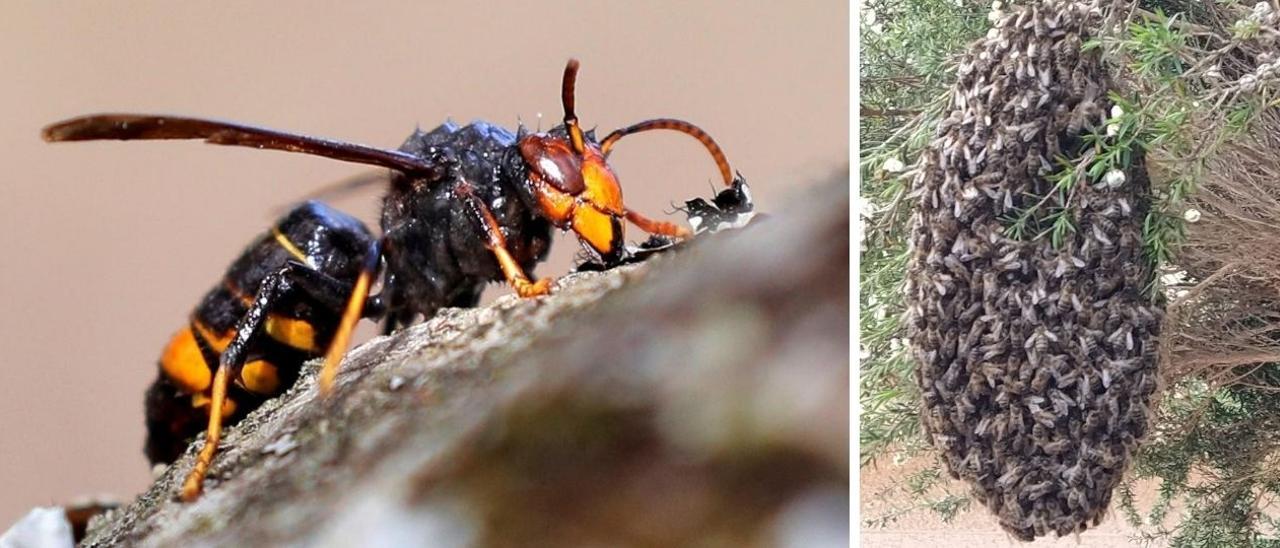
<point x="870" y="112"/>
<point x="699" y="397"/>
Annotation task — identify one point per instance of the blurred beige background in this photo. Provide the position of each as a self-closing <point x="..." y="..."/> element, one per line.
<point x="105" y="247"/>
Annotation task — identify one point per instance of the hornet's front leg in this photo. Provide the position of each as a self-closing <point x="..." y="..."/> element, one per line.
<point x="497" y="244"/>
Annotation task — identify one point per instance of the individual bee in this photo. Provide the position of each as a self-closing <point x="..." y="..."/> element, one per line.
<point x="1041" y="380"/>
<point x="1083" y="117"/>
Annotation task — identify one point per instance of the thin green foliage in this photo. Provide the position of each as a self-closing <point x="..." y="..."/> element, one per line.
<point x="925" y="489"/>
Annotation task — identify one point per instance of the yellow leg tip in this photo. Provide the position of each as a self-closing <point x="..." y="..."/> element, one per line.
<point x="194" y="483"/>
<point x="326" y="382"/>
<point x="527" y="289"/>
<point x="190" y="491"/>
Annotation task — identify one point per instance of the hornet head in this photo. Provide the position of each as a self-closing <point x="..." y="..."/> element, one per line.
<point x="569" y="180"/>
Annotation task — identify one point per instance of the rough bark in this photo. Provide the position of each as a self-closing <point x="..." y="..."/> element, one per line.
<point x="698" y="398"/>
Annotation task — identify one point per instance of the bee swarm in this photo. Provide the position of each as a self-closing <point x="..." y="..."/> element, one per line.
<point x="1036" y="362"/>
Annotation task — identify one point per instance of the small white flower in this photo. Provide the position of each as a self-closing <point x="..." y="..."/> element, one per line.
<point x="893" y="165"/>
<point x="877" y="28"/>
<point x="997" y="5"/>
<point x="869" y="16"/>
<point x="1248" y="83"/>
<point x="1113" y="128"/>
<point x="868" y="210"/>
<point x="1113" y="178"/>
<point x="881" y="313"/>
<point x="1174" y="278"/>
<point x="1191" y="215"/>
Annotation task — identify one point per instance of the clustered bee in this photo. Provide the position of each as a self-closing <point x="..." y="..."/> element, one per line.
<point x="1036" y="361"/>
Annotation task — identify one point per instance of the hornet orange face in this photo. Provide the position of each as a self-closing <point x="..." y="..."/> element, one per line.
<point x="571" y="183"/>
<point x="576" y="190"/>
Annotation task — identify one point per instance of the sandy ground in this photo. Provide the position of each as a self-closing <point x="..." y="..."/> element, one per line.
<point x="975" y="527"/>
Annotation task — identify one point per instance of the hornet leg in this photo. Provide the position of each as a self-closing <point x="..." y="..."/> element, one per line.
<point x="355" y="306"/>
<point x="498" y="245"/>
<point x="276" y="285"/>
